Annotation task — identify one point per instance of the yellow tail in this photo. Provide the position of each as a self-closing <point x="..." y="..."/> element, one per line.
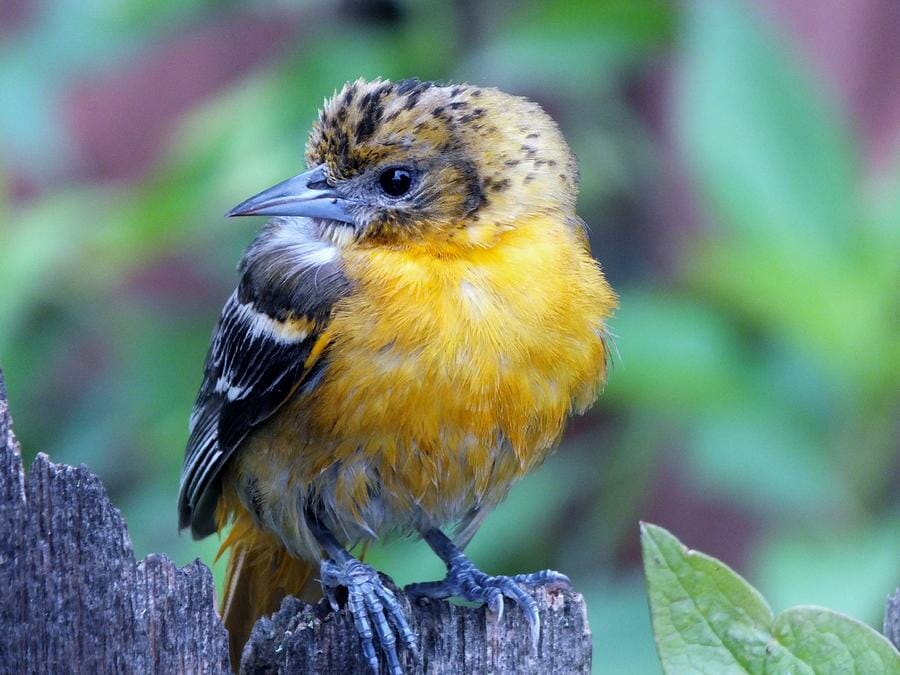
<point x="259" y="575"/>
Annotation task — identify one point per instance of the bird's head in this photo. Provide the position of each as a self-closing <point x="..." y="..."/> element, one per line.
<point x="406" y="162"/>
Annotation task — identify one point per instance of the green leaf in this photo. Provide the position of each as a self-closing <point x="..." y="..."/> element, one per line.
<point x="832" y="643"/>
<point x="708" y="619"/>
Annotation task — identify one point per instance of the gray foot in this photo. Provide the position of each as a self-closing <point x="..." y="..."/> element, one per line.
<point x="466" y="581"/>
<point x="375" y="610"/>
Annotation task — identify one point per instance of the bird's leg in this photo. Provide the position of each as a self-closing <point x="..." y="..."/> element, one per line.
<point x="466" y="581"/>
<point x="374" y="607"/>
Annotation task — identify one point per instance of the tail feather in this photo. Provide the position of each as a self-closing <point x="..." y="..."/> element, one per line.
<point x="260" y="573"/>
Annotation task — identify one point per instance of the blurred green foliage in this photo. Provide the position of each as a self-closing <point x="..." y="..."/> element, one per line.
<point x="763" y="364"/>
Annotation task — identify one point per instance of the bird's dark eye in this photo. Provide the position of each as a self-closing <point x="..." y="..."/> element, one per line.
<point x="395" y="182"/>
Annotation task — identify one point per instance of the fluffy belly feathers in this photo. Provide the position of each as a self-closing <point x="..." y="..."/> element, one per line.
<point x="429" y="408"/>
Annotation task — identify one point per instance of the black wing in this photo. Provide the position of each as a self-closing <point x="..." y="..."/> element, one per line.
<point x="266" y="342"/>
<point x="252" y="368"/>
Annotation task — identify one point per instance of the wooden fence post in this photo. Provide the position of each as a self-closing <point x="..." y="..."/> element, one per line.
<point x="72" y="597"/>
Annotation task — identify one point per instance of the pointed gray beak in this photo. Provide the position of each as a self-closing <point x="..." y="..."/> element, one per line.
<point x="305" y="195"/>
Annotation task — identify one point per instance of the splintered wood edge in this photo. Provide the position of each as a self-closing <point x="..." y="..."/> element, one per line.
<point x="71" y="591"/>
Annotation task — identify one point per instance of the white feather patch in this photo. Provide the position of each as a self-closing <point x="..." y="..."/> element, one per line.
<point x="300" y="246"/>
<point x="261" y="324"/>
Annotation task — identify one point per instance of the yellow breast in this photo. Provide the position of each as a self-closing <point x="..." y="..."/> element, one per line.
<point x="450" y="374"/>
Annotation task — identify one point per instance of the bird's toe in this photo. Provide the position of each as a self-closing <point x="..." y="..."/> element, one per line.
<point x="375" y="610"/>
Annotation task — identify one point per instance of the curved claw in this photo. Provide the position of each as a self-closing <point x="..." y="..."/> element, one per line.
<point x="495" y="603"/>
<point x="374" y="608"/>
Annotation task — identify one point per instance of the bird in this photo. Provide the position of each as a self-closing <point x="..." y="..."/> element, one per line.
<point x="410" y="332"/>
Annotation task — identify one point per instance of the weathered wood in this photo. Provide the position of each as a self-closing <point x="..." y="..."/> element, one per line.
<point x="302" y="638"/>
<point x="892" y="618"/>
<point x="73" y="598"/>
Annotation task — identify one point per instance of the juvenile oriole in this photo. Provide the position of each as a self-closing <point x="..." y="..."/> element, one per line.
<point x="408" y="336"/>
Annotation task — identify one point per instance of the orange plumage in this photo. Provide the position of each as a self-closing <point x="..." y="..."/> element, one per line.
<point x="468" y="327"/>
